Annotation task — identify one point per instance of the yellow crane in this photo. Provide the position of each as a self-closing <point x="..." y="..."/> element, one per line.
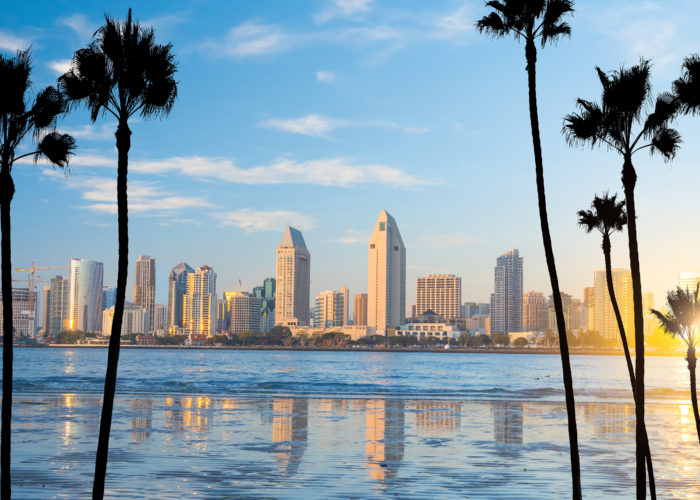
<point x="30" y="283"/>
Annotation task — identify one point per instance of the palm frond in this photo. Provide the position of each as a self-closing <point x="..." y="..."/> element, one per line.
<point x="587" y="220"/>
<point x="48" y="106"/>
<point x="665" y="110"/>
<point x="553" y="27"/>
<point x="57" y="148"/>
<point x="687" y="87"/>
<point x="14" y="82"/>
<point x="666" y="142"/>
<point x="492" y="25"/>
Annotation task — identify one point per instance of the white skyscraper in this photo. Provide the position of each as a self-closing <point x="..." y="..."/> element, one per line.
<point x="293" y="279"/>
<point x="507" y="298"/>
<point x="145" y="285"/>
<point x="85" y="312"/>
<point x="199" y="303"/>
<point x="386" y="276"/>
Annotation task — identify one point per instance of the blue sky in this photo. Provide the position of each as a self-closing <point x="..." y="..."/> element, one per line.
<point x="322" y="113"/>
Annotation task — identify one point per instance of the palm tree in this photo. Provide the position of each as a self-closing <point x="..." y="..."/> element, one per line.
<point x="621" y="122"/>
<point x="681" y="322"/>
<point x="532" y="21"/>
<point x="19" y="118"/>
<point x="608" y="216"/>
<point x="122" y="73"/>
<point x="687" y="87"/>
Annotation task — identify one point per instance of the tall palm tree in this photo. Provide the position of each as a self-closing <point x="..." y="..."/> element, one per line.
<point x="20" y="117"/>
<point x="681" y="321"/>
<point x="622" y="122"/>
<point x="687" y="87"/>
<point x="542" y="21"/>
<point x="122" y="73"/>
<point x="608" y="216"/>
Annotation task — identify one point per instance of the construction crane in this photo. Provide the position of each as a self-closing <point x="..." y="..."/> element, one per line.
<point x="30" y="284"/>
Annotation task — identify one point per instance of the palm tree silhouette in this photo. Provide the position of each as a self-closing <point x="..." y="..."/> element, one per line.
<point x="533" y="21"/>
<point x="681" y="321"/>
<point x="687" y="87"/>
<point x="608" y="216"/>
<point x="122" y="73"/>
<point x="18" y="119"/>
<point x="612" y="122"/>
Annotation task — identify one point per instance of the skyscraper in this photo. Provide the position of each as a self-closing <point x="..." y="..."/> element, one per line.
<point x="242" y="312"/>
<point x="177" y="287"/>
<point x="57" y="308"/>
<point x="109" y="297"/>
<point x="604" y="315"/>
<point x="199" y="303"/>
<point x="346" y="304"/>
<point x="330" y="307"/>
<point x="440" y="293"/>
<point x="22" y="320"/>
<point x="145" y="285"/>
<point x="688" y="280"/>
<point x="535" y="314"/>
<point x="85" y="311"/>
<point x="507" y="305"/>
<point x="360" y="309"/>
<point x="293" y="279"/>
<point x="386" y="276"/>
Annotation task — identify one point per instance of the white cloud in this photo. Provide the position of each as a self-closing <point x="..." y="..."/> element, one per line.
<point x="455" y="23"/>
<point x="60" y="67"/>
<point x="80" y="25"/>
<point x="265" y="220"/>
<point x="13" y="43"/>
<point x="251" y="39"/>
<point x="104" y="132"/>
<point x="325" y="76"/>
<point x="353" y="236"/>
<point x="343" y="8"/>
<point x="314" y="125"/>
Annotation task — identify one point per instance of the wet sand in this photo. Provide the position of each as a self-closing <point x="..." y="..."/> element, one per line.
<point x="179" y="446"/>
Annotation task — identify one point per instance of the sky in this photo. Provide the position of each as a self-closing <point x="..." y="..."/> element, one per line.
<point x="321" y="113"/>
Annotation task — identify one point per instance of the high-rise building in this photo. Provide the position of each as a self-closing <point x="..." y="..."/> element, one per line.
<point x="688" y="281"/>
<point x="199" y="303"/>
<point x="330" y="308"/>
<point x="440" y="293"/>
<point x="56" y="309"/>
<point x="85" y="311"/>
<point x="177" y="287"/>
<point x="589" y="303"/>
<point x="386" y="276"/>
<point x="145" y="285"/>
<point x="360" y="318"/>
<point x="293" y="279"/>
<point x="135" y="320"/>
<point x="507" y="305"/>
<point x="534" y="312"/>
<point x="242" y="312"/>
<point x="22" y="320"/>
<point x="109" y="297"/>
<point x="470" y="309"/>
<point x="158" y="321"/>
<point x="604" y="315"/>
<point x="46" y="311"/>
<point x="346" y="304"/>
<point x="573" y="310"/>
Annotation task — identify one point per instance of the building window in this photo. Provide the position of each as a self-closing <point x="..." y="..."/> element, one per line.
<point x="371" y="245"/>
<point x="381" y="226"/>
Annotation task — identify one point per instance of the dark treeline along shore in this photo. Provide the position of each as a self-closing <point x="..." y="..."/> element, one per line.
<point x="124" y="73"/>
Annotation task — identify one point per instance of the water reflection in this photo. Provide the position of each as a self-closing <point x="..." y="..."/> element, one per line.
<point x="610" y="420"/>
<point x="442" y="417"/>
<point x="507" y="422"/>
<point x="289" y="432"/>
<point x="193" y="413"/>
<point x="384" y="433"/>
<point x="141" y="420"/>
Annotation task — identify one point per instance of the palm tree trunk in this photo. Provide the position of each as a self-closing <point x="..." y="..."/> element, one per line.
<point x="123" y="136"/>
<point x="692" y="360"/>
<point x="628" y="358"/>
<point x="629" y="180"/>
<point x="7" y="191"/>
<point x="531" y="55"/>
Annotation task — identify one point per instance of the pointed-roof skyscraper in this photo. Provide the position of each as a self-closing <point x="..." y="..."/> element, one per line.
<point x="386" y="276"/>
<point x="293" y="279"/>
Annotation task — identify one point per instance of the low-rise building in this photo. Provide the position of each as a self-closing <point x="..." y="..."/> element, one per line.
<point x="422" y="330"/>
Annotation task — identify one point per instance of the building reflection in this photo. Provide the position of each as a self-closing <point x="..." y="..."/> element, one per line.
<point x="290" y="418"/>
<point x="610" y="420"/>
<point x="192" y="413"/>
<point x="384" y="433"/>
<point x="438" y="416"/>
<point x="141" y="419"/>
<point x="507" y="422"/>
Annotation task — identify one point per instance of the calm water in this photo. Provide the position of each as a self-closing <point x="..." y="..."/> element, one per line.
<point x="281" y="424"/>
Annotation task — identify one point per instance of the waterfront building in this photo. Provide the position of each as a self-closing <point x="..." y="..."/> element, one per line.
<point x="242" y="312"/>
<point x="360" y="309"/>
<point x="109" y="297"/>
<point x="177" y="287"/>
<point x="603" y="313"/>
<point x="293" y="279"/>
<point x="22" y="320"/>
<point x="688" y="280"/>
<point x="507" y="298"/>
<point x="386" y="276"/>
<point x="535" y="314"/>
<point x="199" y="303"/>
<point x="145" y="285"/>
<point x="589" y="304"/>
<point x="134" y="320"/>
<point x="441" y="330"/>
<point x="441" y="293"/>
<point x="330" y="309"/>
<point x="266" y="293"/>
<point x="85" y="310"/>
<point x="346" y="304"/>
<point x="574" y="313"/>
<point x="56" y="306"/>
<point x="158" y="321"/>
<point x="45" y="311"/>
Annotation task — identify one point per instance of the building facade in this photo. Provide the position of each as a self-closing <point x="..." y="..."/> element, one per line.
<point x="440" y="293"/>
<point x="23" y="321"/>
<point x="199" y="303"/>
<point x="535" y="314"/>
<point x="360" y="309"/>
<point x="177" y="288"/>
<point x="386" y="276"/>
<point x="134" y="320"/>
<point x="507" y="298"/>
<point x="603" y="313"/>
<point x="85" y="310"/>
<point x="56" y="308"/>
<point x="242" y="312"/>
<point x="330" y="309"/>
<point x="688" y="281"/>
<point x="145" y="285"/>
<point x="293" y="279"/>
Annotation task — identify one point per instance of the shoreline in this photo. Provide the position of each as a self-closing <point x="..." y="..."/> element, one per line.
<point x="460" y="350"/>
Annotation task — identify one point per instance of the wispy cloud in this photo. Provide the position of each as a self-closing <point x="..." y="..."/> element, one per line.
<point x="264" y="220"/>
<point x="251" y="39"/>
<point x="13" y="43"/>
<point x="325" y="76"/>
<point x="320" y="126"/>
<point x="353" y="236"/>
<point x="61" y="66"/>
<point x="343" y="8"/>
<point x="103" y="132"/>
<point x="455" y="24"/>
<point x="80" y="24"/>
